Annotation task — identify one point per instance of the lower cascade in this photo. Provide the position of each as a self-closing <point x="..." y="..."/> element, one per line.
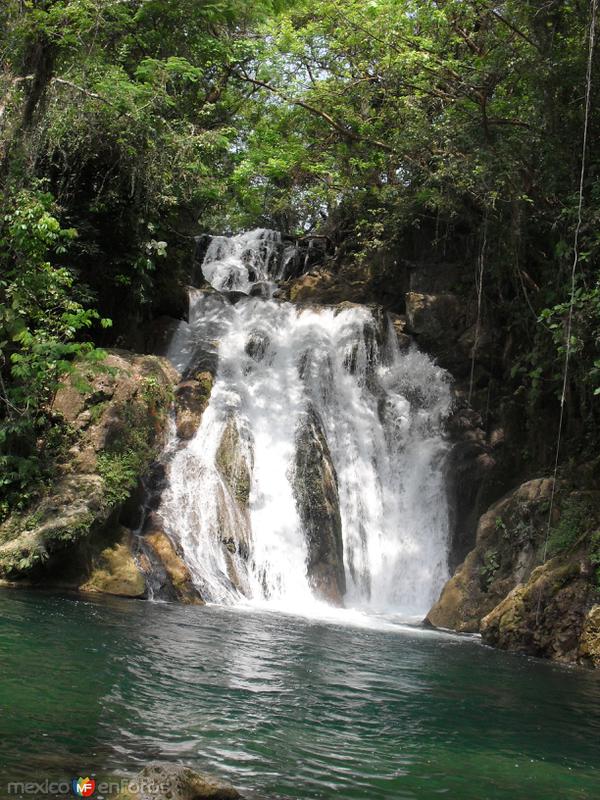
<point x="318" y="470"/>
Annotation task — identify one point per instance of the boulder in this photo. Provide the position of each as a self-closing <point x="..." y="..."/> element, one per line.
<point x="180" y="582"/>
<point x="317" y="501"/>
<point x="527" y="585"/>
<point x="177" y="782"/>
<point x="589" y="642"/>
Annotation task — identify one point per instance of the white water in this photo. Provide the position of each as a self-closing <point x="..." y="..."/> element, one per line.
<point x="382" y="411"/>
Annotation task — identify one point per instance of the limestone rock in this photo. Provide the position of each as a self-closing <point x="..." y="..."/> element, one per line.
<point x="506" y="591"/>
<point x="176" y="569"/>
<point x="445" y="326"/>
<point x="119" y="426"/>
<point x="317" y="501"/>
<point x="589" y="644"/>
<point x="58" y="522"/>
<point x="233" y="465"/>
<point x="115" y="570"/>
<point x="544" y="616"/>
<point x="509" y="536"/>
<point x="469" y="467"/>
<point x="400" y="324"/>
<point x="352" y="283"/>
<point x="191" y="399"/>
<point x="176" y="782"/>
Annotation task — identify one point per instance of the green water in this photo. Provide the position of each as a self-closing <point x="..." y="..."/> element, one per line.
<point x="285" y="706"/>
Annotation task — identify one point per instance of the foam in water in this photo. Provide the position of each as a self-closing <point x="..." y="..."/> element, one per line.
<point x="381" y="411"/>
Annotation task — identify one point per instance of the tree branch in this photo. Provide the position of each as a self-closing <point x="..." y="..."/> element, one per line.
<point x="343" y="130"/>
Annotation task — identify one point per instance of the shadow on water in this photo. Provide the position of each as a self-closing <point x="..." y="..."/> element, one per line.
<point x="286" y="706"/>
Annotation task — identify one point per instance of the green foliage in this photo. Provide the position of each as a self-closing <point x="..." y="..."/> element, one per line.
<point x="121" y="465"/>
<point x="422" y="129"/>
<point x="120" y="472"/>
<point x="487" y="572"/>
<point x="573" y="523"/>
<point x="42" y="319"/>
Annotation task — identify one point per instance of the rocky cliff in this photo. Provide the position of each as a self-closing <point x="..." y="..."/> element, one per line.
<point x="83" y="531"/>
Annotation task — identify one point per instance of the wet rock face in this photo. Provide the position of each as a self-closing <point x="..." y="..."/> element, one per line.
<point x="191" y="400"/>
<point x="165" y="567"/>
<point x="257" y="346"/>
<point x="469" y="468"/>
<point x="317" y="501"/>
<point x="232" y="464"/>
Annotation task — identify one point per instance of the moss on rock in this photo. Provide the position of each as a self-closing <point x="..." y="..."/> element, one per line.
<point x="505" y="590"/>
<point x="119" y="426"/>
<point x="115" y="570"/>
<point x="232" y="464"/>
<point x="317" y="501"/>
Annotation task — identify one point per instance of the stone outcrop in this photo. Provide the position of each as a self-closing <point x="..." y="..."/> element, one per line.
<point x="517" y="600"/>
<point x="509" y="536"/>
<point x="545" y="616"/>
<point x="443" y="324"/>
<point x="317" y="501"/>
<point x="166" y="568"/>
<point x="176" y="782"/>
<point x="589" y="641"/>
<point x="234" y="459"/>
<point x="70" y="535"/>
<point x="469" y="470"/>
<point x="325" y="287"/>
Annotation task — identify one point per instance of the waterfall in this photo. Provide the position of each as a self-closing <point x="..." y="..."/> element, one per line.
<point x="317" y="471"/>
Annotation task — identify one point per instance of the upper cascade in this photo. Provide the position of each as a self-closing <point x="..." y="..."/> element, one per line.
<point x="254" y="262"/>
<point x="237" y="263"/>
<point x="318" y="470"/>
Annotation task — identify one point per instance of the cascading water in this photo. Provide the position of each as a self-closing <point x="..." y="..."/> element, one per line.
<point x="318" y="466"/>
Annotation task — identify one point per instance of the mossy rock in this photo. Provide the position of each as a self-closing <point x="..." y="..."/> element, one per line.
<point x="232" y="464"/>
<point x="119" y="426"/>
<point x="115" y="570"/>
<point x="177" y="782"/>
<point x="589" y="645"/>
<point x="317" y="501"/>
<point x="545" y="616"/>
